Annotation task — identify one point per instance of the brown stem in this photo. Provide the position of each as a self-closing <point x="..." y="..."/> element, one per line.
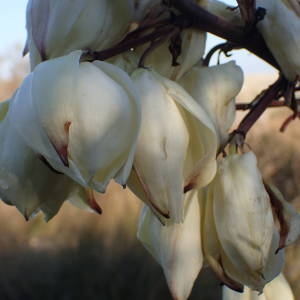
<point x="278" y="209"/>
<point x="224" y="47"/>
<point x="203" y="20"/>
<point x="247" y="106"/>
<point x="124" y="46"/>
<point x="266" y="98"/>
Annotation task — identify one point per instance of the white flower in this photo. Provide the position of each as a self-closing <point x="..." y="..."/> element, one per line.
<point x="215" y="88"/>
<point x="56" y="27"/>
<point x="280" y="29"/>
<point x="27" y="182"/>
<point x="176" y="247"/>
<point x="176" y="145"/>
<point x="82" y="117"/>
<point x="239" y="212"/>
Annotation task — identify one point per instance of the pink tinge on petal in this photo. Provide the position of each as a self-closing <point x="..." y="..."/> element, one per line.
<point x="93" y="204"/>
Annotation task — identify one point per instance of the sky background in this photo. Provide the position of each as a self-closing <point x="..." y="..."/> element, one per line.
<point x="12" y="32"/>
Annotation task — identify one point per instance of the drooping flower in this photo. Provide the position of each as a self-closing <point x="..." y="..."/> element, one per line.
<point x="176" y="247"/>
<point x="280" y="28"/>
<point x="215" y="88"/>
<point x="239" y="215"/>
<point x="177" y="145"/>
<point x="56" y="27"/>
<point x="27" y="182"/>
<point x="83" y="118"/>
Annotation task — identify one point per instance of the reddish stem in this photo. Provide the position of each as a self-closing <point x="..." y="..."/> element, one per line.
<point x="268" y="96"/>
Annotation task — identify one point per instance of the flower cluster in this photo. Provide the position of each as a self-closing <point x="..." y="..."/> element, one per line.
<point x="155" y="119"/>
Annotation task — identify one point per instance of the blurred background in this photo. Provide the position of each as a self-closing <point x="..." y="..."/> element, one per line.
<point x="80" y="255"/>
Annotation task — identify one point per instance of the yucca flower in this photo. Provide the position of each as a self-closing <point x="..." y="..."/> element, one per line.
<point x="280" y="28"/>
<point x="27" y="182"/>
<point x="240" y="238"/>
<point x="215" y="89"/>
<point x="176" y="145"/>
<point x="176" y="247"/>
<point x="56" y="27"/>
<point x="83" y="118"/>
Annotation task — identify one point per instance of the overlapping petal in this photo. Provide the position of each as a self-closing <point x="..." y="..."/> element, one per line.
<point x="176" y="140"/>
<point x="280" y="29"/>
<point x="240" y="238"/>
<point x="82" y="117"/>
<point x="176" y="247"/>
<point x="215" y="89"/>
<point x="56" y="28"/>
<point x="25" y="180"/>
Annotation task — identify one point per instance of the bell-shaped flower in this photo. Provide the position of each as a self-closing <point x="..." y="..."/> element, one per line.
<point x="191" y="51"/>
<point x="215" y="88"/>
<point x="27" y="182"/>
<point x="241" y="215"/>
<point x="83" y="118"/>
<point x="280" y="28"/>
<point x="176" y="247"/>
<point x="176" y="143"/>
<point x="277" y="289"/>
<point x="56" y="27"/>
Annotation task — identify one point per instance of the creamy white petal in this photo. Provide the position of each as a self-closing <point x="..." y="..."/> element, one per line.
<point x="27" y="182"/>
<point x="212" y="249"/>
<point x="215" y="88"/>
<point x="82" y="117"/>
<point x="57" y="27"/>
<point x="162" y="145"/>
<point x="278" y="289"/>
<point x="200" y="163"/>
<point x="280" y="29"/>
<point x="241" y="202"/>
<point x="176" y="247"/>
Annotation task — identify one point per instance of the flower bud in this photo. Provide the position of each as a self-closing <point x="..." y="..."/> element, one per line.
<point x="177" y="142"/>
<point x="82" y="117"/>
<point x="176" y="247"/>
<point x="215" y="88"/>
<point x="280" y="28"/>
<point x="239" y="213"/>
<point x="56" y="27"/>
